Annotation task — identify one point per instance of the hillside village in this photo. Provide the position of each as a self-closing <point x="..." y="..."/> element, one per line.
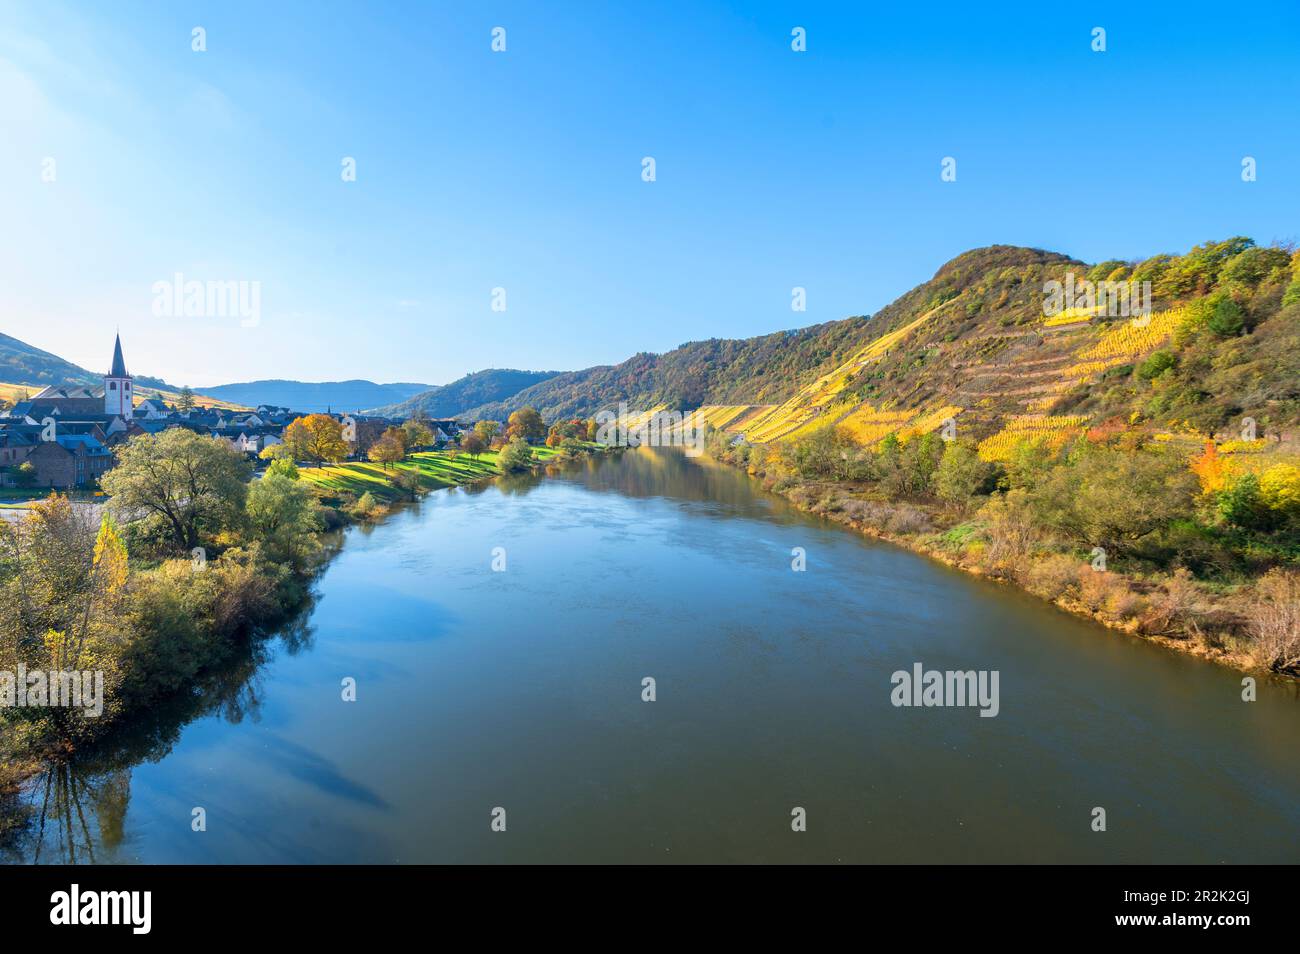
<point x="63" y="437"/>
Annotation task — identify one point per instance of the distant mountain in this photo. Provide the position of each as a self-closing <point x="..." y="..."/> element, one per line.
<point x="479" y="388"/>
<point x="317" y="396"/>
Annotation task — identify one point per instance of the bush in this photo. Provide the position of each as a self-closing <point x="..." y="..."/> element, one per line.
<point x="516" y="457"/>
<point x="1274" y="620"/>
<point x="1177" y="607"/>
<point x="1054" y="576"/>
<point x="1108" y="595"/>
<point x="1156" y="365"/>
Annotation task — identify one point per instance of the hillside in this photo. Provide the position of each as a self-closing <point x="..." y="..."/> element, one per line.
<point x="312" y="396"/>
<point x="473" y="390"/>
<point x="767" y="368"/>
<point x="25" y="370"/>
<point x="973" y="345"/>
<point x="20" y="361"/>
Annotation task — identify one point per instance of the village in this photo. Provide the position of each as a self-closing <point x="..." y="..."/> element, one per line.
<point x="62" y="438"/>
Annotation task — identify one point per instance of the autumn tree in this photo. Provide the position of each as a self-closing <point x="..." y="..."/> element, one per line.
<point x="390" y="448"/>
<point x="316" y="437"/>
<point x="472" y="443"/>
<point x="192" y="485"/>
<point x="487" y="430"/>
<point x="527" y="424"/>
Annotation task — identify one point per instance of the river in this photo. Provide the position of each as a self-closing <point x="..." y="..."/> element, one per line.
<point x="520" y="688"/>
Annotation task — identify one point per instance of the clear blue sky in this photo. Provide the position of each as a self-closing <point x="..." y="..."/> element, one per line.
<point x="523" y="169"/>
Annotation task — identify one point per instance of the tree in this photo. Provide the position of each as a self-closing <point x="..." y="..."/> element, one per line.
<point x="316" y="437"/>
<point x="516" y="457"/>
<point x="185" y="400"/>
<point x="284" y="467"/>
<point x="527" y="424"/>
<point x="388" y="450"/>
<point x="1114" y="498"/>
<point x="472" y="443"/>
<point x="282" y="516"/>
<point x="192" y="484"/>
<point x="961" y="473"/>
<point x="487" y="430"/>
<point x="417" y="433"/>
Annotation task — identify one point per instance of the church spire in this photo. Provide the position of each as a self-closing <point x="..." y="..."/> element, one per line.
<point x="119" y="366"/>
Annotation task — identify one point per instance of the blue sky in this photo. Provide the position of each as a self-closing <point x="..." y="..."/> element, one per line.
<point x="522" y="169"/>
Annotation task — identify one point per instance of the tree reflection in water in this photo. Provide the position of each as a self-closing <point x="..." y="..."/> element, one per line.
<point x="73" y="810"/>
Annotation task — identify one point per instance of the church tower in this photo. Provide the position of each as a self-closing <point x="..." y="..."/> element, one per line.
<point x="118" y="398"/>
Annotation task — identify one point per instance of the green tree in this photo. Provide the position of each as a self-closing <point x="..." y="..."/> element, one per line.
<point x="961" y="473"/>
<point x="1157" y="364"/>
<point x="193" y="485"/>
<point x="1114" y="498"/>
<point x="516" y="457"/>
<point x="283" y="517"/>
<point x="417" y="433"/>
<point x="185" y="400"/>
<point x="285" y="468"/>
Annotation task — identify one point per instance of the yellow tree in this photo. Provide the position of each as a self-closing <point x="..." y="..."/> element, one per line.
<point x="1211" y="469"/>
<point x="388" y="449"/>
<point x="316" y="437"/>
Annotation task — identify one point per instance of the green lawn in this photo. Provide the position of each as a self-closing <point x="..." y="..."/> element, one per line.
<point x="435" y="468"/>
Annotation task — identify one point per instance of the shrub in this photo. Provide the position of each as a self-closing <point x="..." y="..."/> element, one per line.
<point x="366" y="506"/>
<point x="516" y="456"/>
<point x="1274" y="620"/>
<point x="1156" y="365"/>
<point x="1054" y="576"/>
<point x="1177" y="607"/>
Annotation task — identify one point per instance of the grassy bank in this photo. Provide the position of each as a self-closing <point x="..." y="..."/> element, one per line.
<point x="432" y="470"/>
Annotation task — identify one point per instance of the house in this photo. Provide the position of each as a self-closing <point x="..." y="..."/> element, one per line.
<point x="68" y="461"/>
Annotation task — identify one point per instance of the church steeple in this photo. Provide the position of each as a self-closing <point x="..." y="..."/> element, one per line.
<point x="119" y="366"/>
<point x="118" y="398"/>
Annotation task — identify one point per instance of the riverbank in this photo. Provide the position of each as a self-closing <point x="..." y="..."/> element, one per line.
<point x="1172" y="610"/>
<point x="343" y="487"/>
<point x="157" y="624"/>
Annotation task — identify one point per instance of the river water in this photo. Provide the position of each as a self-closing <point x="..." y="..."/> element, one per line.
<point x="521" y="689"/>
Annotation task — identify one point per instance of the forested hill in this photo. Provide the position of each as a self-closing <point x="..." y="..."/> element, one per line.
<point x="24" y="364"/>
<point x="767" y="368"/>
<point x="21" y="363"/>
<point x="473" y="390"/>
<point x="772" y="368"/>
<point x="1222" y="343"/>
